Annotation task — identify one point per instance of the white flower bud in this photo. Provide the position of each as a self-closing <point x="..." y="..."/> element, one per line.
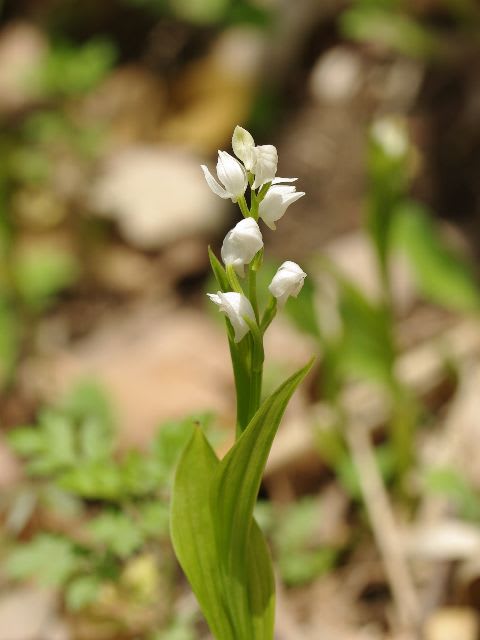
<point x="279" y="197"/>
<point x="241" y="244"/>
<point x="235" y="306"/>
<point x="231" y="174"/>
<point x="265" y="165"/>
<point x="288" y="281"/>
<point x="243" y="146"/>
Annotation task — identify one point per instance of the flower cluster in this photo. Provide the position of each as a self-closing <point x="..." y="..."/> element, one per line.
<point x="270" y="196"/>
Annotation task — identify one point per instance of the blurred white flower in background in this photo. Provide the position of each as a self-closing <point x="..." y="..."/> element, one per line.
<point x="391" y="135"/>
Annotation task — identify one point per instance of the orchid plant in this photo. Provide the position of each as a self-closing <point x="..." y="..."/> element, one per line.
<point x="216" y="539"/>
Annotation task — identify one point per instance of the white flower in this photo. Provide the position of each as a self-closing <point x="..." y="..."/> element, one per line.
<point x="265" y="164"/>
<point x="243" y="146"/>
<point x="231" y="174"/>
<point x="391" y="135"/>
<point x="241" y="244"/>
<point x="288" y="281"/>
<point x="279" y="197"/>
<point x="260" y="160"/>
<point x="235" y="306"/>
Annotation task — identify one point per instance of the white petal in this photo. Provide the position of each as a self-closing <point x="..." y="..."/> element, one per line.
<point x="293" y="197"/>
<point x="280" y="180"/>
<point x="265" y="167"/>
<point x="241" y="244"/>
<point x="243" y="145"/>
<point x="288" y="281"/>
<point x="214" y="298"/>
<point x="235" y="306"/>
<point x="213" y="184"/>
<point x="232" y="174"/>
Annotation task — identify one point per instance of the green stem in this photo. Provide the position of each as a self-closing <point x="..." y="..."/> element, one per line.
<point x="269" y="314"/>
<point x="233" y="279"/>
<point x="242" y="203"/>
<point x="252" y="290"/>
<point x="256" y="367"/>
<point x="403" y="429"/>
<point x="263" y="191"/>
<point x="254" y="205"/>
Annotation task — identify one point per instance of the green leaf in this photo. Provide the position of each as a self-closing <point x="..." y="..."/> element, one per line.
<point x="366" y="348"/>
<point x="9" y="341"/>
<point x="25" y="441"/>
<point x="86" y="401"/>
<point x="99" y="480"/>
<point x="81" y="592"/>
<point x="219" y="272"/>
<point x="200" y="11"/>
<point x="41" y="273"/>
<point x="70" y="70"/>
<point x="440" y="273"/>
<point x="54" y="450"/>
<point x="233" y="497"/>
<point x="389" y="28"/>
<point x="450" y="483"/>
<point x="49" y="559"/>
<point x="118" y="533"/>
<point x="154" y="518"/>
<point x="171" y="439"/>
<point x="193" y="533"/>
<point x="302" y="566"/>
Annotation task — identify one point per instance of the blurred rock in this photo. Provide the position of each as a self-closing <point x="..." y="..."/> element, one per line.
<point x="25" y="614"/>
<point x="22" y="46"/>
<point x="337" y="75"/>
<point x="452" y="623"/>
<point x="157" y="196"/>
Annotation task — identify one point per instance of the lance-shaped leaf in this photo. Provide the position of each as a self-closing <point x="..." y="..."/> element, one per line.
<point x="193" y="534"/>
<point x="233" y="495"/>
<point x="218" y="271"/>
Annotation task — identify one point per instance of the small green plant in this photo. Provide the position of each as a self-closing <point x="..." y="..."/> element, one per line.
<point x="215" y="536"/>
<point x="360" y="343"/>
<point x="109" y="511"/>
<point x="293" y="530"/>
